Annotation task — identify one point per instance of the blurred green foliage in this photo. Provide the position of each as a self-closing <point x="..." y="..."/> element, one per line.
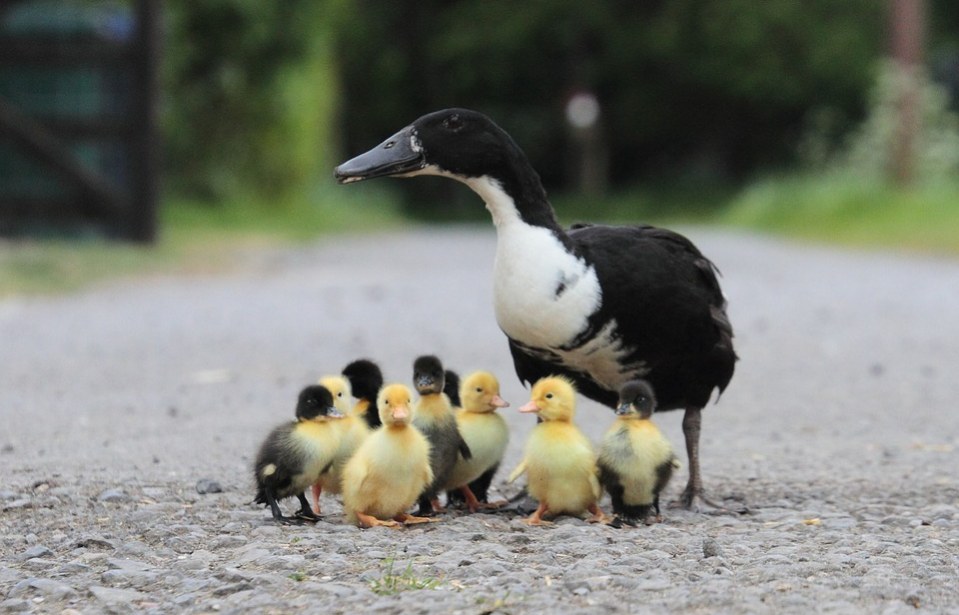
<point x="261" y="99"/>
<point x="719" y="88"/>
<point x="249" y="91"/>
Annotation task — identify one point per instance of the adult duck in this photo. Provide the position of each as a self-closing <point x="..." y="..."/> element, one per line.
<point x="601" y="305"/>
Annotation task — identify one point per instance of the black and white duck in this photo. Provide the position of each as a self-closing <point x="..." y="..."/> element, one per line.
<point x="601" y="305"/>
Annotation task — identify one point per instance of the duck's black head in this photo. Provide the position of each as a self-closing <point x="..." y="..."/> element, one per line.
<point x="365" y="378"/>
<point x="315" y="401"/>
<point x="456" y="142"/>
<point x="636" y="397"/>
<point x="428" y="375"/>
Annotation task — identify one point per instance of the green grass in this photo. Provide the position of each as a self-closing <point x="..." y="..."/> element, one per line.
<point x="393" y="582"/>
<point x="194" y="238"/>
<point x="851" y="211"/>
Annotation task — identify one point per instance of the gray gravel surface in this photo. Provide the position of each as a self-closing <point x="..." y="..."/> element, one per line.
<point x="839" y="434"/>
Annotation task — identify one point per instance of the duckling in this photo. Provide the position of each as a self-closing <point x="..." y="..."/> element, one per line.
<point x="635" y="460"/>
<point x="559" y="460"/>
<point x="391" y="468"/>
<point x="434" y="417"/>
<point x="294" y="455"/>
<point x="366" y="379"/>
<point x="485" y="433"/>
<point x="352" y="430"/>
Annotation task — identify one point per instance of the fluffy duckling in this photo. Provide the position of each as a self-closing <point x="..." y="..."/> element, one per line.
<point x="559" y="460"/>
<point x="485" y="433"/>
<point x="294" y="455"/>
<point x="635" y="460"/>
<point x="391" y="468"/>
<point x="366" y="380"/>
<point x="434" y="417"/>
<point x="352" y="429"/>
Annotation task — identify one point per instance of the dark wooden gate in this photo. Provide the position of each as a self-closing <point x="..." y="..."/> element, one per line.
<point x="78" y="103"/>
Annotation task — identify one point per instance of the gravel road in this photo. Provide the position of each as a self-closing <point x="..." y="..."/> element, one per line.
<point x="838" y="434"/>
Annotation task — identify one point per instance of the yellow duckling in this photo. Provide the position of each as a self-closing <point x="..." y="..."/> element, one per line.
<point x="391" y="468"/>
<point x="352" y="429"/>
<point x="295" y="454"/>
<point x="559" y="460"/>
<point x="486" y="434"/>
<point x="635" y="461"/>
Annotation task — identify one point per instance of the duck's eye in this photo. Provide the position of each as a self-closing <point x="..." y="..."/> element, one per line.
<point x="453" y="122"/>
<point x="479" y="389"/>
<point x="389" y="144"/>
<point x="549" y="396"/>
<point x="340" y="394"/>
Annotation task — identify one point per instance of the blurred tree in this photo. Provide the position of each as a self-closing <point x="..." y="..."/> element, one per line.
<point x="247" y="88"/>
<point x="711" y="87"/>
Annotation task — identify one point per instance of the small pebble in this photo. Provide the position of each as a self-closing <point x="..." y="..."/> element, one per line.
<point x="208" y="485"/>
<point x="113" y="495"/>
<point x="711" y="548"/>
<point x="36" y="551"/>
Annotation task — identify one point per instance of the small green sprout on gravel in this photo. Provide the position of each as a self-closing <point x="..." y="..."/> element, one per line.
<point x="393" y="583"/>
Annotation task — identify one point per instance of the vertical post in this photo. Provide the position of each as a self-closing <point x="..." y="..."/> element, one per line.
<point x="908" y="26"/>
<point x="142" y="219"/>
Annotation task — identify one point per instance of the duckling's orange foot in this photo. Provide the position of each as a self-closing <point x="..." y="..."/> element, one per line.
<point x="413" y="520"/>
<point x="597" y="515"/>
<point x="653" y="519"/>
<point x="492" y="505"/>
<point x="536" y="520"/>
<point x="368" y="521"/>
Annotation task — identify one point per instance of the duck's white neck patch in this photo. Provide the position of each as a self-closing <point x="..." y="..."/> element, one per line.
<point x="499" y="204"/>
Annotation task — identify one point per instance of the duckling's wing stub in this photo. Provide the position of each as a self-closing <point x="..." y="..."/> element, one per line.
<point x="397" y="155"/>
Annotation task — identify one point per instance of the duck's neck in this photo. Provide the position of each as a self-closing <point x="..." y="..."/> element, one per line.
<point x="518" y="198"/>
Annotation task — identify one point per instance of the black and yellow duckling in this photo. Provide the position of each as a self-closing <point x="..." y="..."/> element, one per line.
<point x="435" y="419"/>
<point x="635" y="460"/>
<point x="559" y="460"/>
<point x="486" y="434"/>
<point x="352" y="430"/>
<point x="294" y="455"/>
<point x="391" y="468"/>
<point x="366" y="380"/>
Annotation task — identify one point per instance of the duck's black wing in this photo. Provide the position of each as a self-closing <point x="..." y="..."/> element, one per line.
<point x="665" y="297"/>
<point x="532" y="364"/>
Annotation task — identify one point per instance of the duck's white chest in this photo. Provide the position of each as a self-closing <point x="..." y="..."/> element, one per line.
<point x="543" y="295"/>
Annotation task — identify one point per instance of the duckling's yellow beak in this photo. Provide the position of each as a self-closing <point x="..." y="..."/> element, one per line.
<point x="400" y="413"/>
<point x="498" y="402"/>
<point x="531" y="407"/>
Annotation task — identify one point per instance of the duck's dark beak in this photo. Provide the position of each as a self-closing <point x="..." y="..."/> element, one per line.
<point x="622" y="410"/>
<point x="397" y="155"/>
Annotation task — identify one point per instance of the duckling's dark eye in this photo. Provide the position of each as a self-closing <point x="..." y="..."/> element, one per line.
<point x="479" y="389"/>
<point x="340" y="394"/>
<point x="549" y="396"/>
